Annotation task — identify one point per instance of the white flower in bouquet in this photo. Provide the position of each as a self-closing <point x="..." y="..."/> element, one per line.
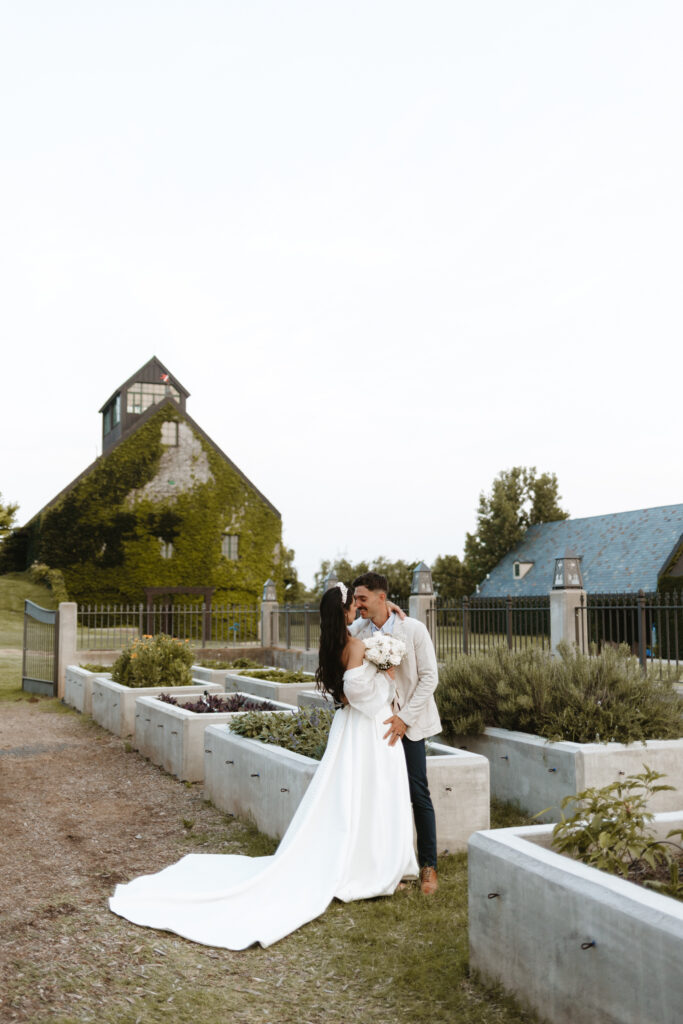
<point x="384" y="651"/>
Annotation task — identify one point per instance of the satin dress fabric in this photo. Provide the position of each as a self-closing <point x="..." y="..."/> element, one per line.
<point x="351" y="838"/>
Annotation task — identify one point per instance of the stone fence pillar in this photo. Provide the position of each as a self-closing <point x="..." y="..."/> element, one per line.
<point x="568" y="620"/>
<point x="67" y="641"/>
<point x="270" y="619"/>
<point x="422" y="601"/>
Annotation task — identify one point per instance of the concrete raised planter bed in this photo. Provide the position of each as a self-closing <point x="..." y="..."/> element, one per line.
<point x="533" y="914"/>
<point x="314" y="699"/>
<point x="209" y="675"/>
<point x="113" y="705"/>
<point x="265" y="782"/>
<point x="254" y="780"/>
<point x="173" y="737"/>
<point x="287" y="692"/>
<point x="78" y="687"/>
<point x="537" y="774"/>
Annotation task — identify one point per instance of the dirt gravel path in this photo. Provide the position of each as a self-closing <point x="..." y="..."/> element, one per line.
<point x="78" y="812"/>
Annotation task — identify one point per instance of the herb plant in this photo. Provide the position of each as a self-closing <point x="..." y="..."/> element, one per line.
<point x="610" y="829"/>
<point x="279" y="675"/>
<point x="573" y="697"/>
<point x="154" y="661"/>
<point x="304" y="731"/>
<point x="212" y="703"/>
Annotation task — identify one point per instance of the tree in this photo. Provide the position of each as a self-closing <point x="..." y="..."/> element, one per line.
<point x="399" y="575"/>
<point x="7" y="516"/>
<point x="518" y="499"/>
<point x="448" y="574"/>
<point x="345" y="571"/>
<point x="294" y="588"/>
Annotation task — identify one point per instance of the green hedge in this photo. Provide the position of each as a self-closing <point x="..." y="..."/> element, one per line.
<point x="571" y="697"/>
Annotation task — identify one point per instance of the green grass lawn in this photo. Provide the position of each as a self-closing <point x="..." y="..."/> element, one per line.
<point x="15" y="587"/>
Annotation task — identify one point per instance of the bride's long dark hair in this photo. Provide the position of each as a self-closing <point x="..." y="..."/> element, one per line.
<point x="333" y="638"/>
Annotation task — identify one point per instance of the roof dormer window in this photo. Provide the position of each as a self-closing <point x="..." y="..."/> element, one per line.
<point x="142" y="394"/>
<point x="520" y="569"/>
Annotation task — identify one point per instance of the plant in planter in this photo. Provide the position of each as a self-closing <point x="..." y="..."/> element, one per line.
<point x="218" y="663"/>
<point x="551" y="728"/>
<point x="572" y="698"/>
<point x="610" y="830"/>
<point x="215" y="703"/>
<point x="304" y="731"/>
<point x="279" y="675"/>
<point x="154" y="661"/>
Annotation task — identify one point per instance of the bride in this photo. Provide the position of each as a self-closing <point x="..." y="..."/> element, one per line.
<point x="350" y="839"/>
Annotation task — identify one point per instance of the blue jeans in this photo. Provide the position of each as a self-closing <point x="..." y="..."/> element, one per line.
<point x="423" y="809"/>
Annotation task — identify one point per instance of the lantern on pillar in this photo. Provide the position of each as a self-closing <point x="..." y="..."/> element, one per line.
<point x="568" y="572"/>
<point x="330" y="581"/>
<point x="422" y="580"/>
<point x="269" y="591"/>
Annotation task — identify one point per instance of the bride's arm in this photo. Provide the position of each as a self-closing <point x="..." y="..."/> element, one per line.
<point x="368" y="690"/>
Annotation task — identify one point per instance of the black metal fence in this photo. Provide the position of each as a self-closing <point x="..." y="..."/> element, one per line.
<point x="299" y="626"/>
<point x="475" y="625"/>
<point x="650" y="623"/>
<point x="40" y="649"/>
<point x="111" y="627"/>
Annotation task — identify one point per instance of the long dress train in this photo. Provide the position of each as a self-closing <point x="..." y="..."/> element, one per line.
<point x="351" y="838"/>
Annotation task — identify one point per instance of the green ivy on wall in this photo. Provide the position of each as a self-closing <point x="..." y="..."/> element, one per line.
<point x="106" y="543"/>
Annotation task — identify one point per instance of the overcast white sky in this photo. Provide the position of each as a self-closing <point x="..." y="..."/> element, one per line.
<point x="390" y="248"/>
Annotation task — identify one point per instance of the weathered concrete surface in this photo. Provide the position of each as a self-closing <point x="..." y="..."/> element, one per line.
<point x="255" y="780"/>
<point x="529" y="936"/>
<point x="314" y="699"/>
<point x="537" y="774"/>
<point x="459" y="787"/>
<point x="173" y="737"/>
<point x="66" y="648"/>
<point x="78" y="687"/>
<point x="209" y="675"/>
<point x="266" y="783"/>
<point x="293" y="659"/>
<point x="113" y="705"/>
<point x="286" y="692"/>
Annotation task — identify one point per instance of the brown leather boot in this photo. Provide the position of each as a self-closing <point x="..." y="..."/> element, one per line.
<point x="429" y="883"/>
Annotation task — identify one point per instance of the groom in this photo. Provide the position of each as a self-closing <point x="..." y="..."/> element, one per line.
<point x="415" y="715"/>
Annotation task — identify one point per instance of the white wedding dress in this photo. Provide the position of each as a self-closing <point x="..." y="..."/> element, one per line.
<point x="351" y="838"/>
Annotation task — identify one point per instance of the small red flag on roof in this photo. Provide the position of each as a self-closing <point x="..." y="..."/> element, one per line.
<point x="165" y="377"/>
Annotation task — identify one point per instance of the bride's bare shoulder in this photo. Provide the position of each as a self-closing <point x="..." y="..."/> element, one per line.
<point x="353" y="653"/>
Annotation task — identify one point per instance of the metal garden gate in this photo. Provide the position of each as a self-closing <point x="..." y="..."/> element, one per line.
<point x="40" y="650"/>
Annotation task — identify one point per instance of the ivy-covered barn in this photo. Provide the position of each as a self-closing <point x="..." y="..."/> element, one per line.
<point x="162" y="506"/>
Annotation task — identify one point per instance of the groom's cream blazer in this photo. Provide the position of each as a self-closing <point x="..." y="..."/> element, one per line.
<point x="415" y="678"/>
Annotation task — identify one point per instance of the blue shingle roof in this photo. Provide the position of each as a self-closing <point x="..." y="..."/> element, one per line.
<point x="623" y="552"/>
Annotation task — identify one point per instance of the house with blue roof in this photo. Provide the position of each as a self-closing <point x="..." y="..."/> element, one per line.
<point x="620" y="553"/>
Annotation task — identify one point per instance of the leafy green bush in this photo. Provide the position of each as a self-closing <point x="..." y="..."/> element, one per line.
<point x="154" y="661"/>
<point x="610" y="830"/>
<point x="90" y="666"/>
<point x="280" y="675"/>
<point x="573" y="697"/>
<point x="304" y="731"/>
<point x="52" y="578"/>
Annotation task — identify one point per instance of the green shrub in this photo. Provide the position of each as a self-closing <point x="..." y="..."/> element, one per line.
<point x="154" y="661"/>
<point x="280" y="675"/>
<point x="610" y="830"/>
<point x="218" y="663"/>
<point x="304" y="731"/>
<point x="572" y="697"/>
<point x="52" y="578"/>
<point x="90" y="666"/>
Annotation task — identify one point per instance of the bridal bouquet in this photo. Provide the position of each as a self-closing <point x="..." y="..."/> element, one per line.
<point x="384" y="651"/>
